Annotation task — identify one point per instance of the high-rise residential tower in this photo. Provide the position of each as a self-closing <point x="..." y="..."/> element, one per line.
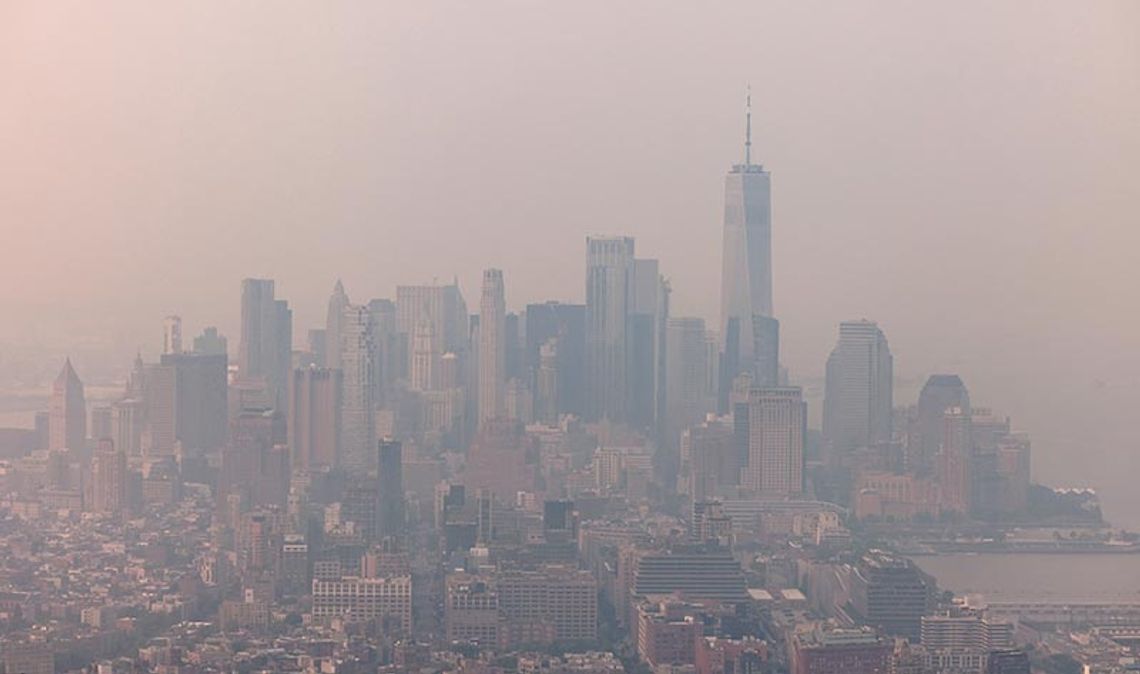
<point x="67" y="421"/>
<point x="266" y="337"/>
<point x="358" y="413"/>
<point x="746" y="273"/>
<point x="492" y="346"/>
<point x="609" y="281"/>
<point x="858" y="399"/>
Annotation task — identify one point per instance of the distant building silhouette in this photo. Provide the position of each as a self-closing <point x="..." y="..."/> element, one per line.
<point x="858" y="399"/>
<point x="67" y="422"/>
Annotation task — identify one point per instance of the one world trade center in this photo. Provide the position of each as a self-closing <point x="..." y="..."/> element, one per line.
<point x="749" y="333"/>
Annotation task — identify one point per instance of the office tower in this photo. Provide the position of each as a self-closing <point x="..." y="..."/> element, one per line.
<point x="388" y="359"/>
<point x="201" y="403"/>
<point x="67" y="422"/>
<point x="160" y="404"/>
<point x="391" y="467"/>
<point x="955" y="461"/>
<point x="315" y="402"/>
<point x="645" y="360"/>
<point x="688" y="399"/>
<point x="1013" y="466"/>
<point x="385" y="600"/>
<point x="210" y="343"/>
<point x="710" y="460"/>
<point x="265" y="353"/>
<point x="561" y="596"/>
<point x="172" y="334"/>
<point x="746" y="272"/>
<point x="547" y="379"/>
<point x="334" y="319"/>
<point x="128" y="421"/>
<point x="471" y="611"/>
<point x="317" y="349"/>
<point x="358" y="411"/>
<point x="1012" y="661"/>
<point x="101" y="416"/>
<point x="558" y="516"/>
<point x="109" y="479"/>
<point x="776" y="426"/>
<point x="565" y="323"/>
<point x="858" y="399"/>
<point x="444" y="308"/>
<point x="492" y="347"/>
<point x="890" y="593"/>
<point x="425" y="352"/>
<point x="851" y="651"/>
<point x="940" y="393"/>
<point x="609" y="280"/>
<point x="255" y="460"/>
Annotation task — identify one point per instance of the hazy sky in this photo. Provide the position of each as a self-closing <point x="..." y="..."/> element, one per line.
<point x="965" y="173"/>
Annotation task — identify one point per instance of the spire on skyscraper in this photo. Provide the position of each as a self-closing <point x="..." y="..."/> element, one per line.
<point x="748" y="126"/>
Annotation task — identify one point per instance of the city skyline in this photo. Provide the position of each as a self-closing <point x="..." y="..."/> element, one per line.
<point x="569" y="339"/>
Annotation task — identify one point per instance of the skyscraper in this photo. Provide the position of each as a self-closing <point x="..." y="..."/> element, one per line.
<point x="567" y="324"/>
<point x="391" y="472"/>
<point x="776" y="424"/>
<point x="746" y="274"/>
<point x="940" y="393"/>
<point x="338" y="301"/>
<point x="210" y="342"/>
<point x="314" y="417"/>
<point x="955" y="461"/>
<point x="858" y="399"/>
<point x="358" y="414"/>
<point x="67" y="424"/>
<point x="172" y="335"/>
<point x="686" y="375"/>
<point x="492" y="346"/>
<point x="645" y="362"/>
<point x="266" y="337"/>
<point x="201" y="399"/>
<point x="444" y="308"/>
<point x="109" y="479"/>
<point x="609" y="280"/>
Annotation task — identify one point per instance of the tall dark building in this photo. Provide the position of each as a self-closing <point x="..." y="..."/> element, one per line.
<point x="390" y="461"/>
<point x="941" y="393"/>
<point x="609" y="297"/>
<point x="200" y="399"/>
<point x="565" y="323"/>
<point x="314" y="417"/>
<point x="266" y="349"/>
<point x="890" y="593"/>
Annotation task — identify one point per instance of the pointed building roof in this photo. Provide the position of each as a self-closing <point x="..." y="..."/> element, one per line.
<point x="67" y="374"/>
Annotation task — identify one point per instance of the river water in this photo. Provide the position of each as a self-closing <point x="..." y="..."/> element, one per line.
<point x="1038" y="577"/>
